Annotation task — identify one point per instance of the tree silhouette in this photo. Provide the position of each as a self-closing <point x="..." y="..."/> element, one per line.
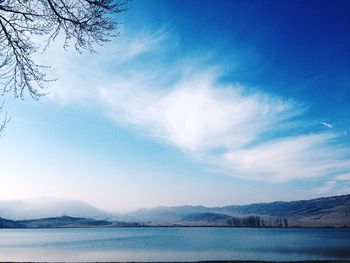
<point x="4" y="121"/>
<point x="82" y="23"/>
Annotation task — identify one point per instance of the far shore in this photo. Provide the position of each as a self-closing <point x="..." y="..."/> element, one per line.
<point x="184" y="226"/>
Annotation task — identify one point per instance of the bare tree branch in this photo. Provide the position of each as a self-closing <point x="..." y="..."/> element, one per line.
<point x="83" y="23"/>
<point x="4" y="121"/>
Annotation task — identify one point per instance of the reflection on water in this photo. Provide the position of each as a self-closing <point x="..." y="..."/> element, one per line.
<point x="169" y="244"/>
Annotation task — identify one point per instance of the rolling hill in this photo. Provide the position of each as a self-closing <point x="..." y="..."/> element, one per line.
<point x="331" y="211"/>
<point x="45" y="207"/>
<point x="320" y="212"/>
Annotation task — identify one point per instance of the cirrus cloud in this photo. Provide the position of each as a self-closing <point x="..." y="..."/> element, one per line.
<point x="200" y="116"/>
<point x="182" y="102"/>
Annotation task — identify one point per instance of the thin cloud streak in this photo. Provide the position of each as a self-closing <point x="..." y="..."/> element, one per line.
<point x="283" y="159"/>
<point x="327" y="125"/>
<point x="327" y="188"/>
<point x="343" y="177"/>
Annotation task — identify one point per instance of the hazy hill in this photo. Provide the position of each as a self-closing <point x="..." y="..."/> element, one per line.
<point x="6" y="223"/>
<point x="293" y="208"/>
<point x="327" y="211"/>
<point x="44" y="207"/>
<point x="162" y="214"/>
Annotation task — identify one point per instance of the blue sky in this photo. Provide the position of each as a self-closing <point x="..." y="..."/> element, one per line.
<point x="197" y="102"/>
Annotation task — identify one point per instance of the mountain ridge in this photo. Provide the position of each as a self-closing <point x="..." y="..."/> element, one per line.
<point x="318" y="212"/>
<point x="44" y="207"/>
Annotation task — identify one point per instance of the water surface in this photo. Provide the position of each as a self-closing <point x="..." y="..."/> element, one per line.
<point x="173" y="244"/>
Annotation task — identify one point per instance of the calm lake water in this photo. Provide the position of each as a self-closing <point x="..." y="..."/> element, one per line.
<point x="173" y="244"/>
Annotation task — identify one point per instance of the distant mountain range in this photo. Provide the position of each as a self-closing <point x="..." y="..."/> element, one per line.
<point x="45" y="207"/>
<point x="321" y="212"/>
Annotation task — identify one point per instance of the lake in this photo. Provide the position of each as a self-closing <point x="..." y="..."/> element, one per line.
<point x="173" y="244"/>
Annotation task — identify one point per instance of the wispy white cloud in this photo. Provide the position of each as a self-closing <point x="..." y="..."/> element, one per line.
<point x="338" y="186"/>
<point x="343" y="177"/>
<point x="143" y="42"/>
<point x="287" y="158"/>
<point x="79" y="75"/>
<point x="195" y="113"/>
<point x="326" y="188"/>
<point x="183" y="103"/>
<point x="200" y="116"/>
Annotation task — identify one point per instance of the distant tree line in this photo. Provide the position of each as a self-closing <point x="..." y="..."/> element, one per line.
<point x="257" y="221"/>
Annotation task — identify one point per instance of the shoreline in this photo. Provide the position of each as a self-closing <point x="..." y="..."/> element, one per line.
<point x="181" y="226"/>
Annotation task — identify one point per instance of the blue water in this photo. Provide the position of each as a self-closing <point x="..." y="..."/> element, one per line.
<point x="173" y="244"/>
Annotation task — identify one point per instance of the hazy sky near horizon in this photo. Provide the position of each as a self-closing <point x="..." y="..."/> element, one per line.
<point x="196" y="102"/>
